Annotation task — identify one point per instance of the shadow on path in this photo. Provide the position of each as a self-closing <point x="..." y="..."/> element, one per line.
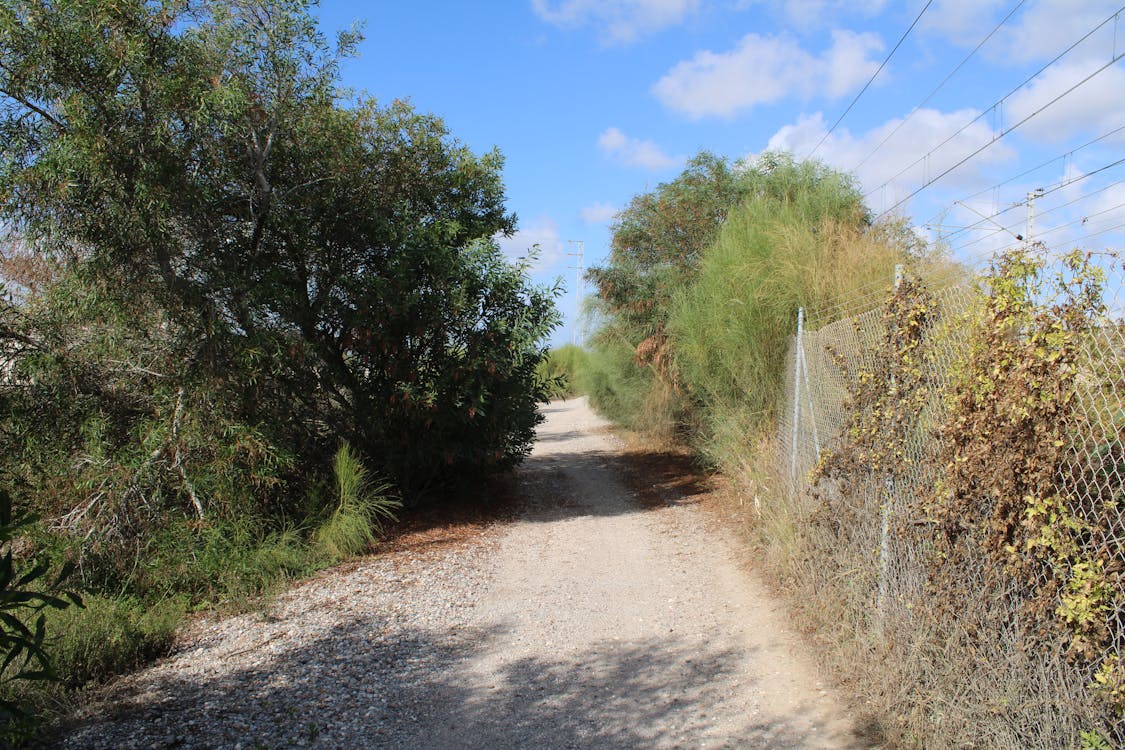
<point x="358" y="688"/>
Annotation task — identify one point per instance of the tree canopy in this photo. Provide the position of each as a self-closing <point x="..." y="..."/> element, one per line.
<point x="325" y="263"/>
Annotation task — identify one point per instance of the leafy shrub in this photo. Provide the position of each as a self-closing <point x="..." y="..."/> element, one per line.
<point x="563" y="371"/>
<point x="24" y="601"/>
<point x="221" y="561"/>
<point x="110" y="636"/>
<point x="731" y="328"/>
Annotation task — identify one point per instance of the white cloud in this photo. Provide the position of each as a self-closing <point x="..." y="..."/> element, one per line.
<point x="1048" y="27"/>
<point x="924" y="132"/>
<point x="1091" y="224"/>
<point x="963" y="22"/>
<point x="542" y="231"/>
<point x="619" y="21"/>
<point x="1038" y="32"/>
<point x="599" y="213"/>
<point x="1096" y="106"/>
<point x="766" y="69"/>
<point x="805" y="14"/>
<point x="635" y="152"/>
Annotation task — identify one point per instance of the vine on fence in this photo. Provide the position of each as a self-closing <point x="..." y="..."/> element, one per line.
<point x="886" y="398"/>
<point x="1007" y="455"/>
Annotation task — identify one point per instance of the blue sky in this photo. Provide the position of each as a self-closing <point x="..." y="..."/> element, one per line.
<point x="594" y="101"/>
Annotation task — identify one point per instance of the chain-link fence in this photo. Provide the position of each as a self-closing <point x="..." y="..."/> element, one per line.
<point x="973" y="670"/>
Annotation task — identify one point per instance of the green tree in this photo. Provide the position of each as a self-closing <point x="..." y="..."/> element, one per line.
<point x="329" y="267"/>
<point x="657" y="240"/>
<point x="659" y="245"/>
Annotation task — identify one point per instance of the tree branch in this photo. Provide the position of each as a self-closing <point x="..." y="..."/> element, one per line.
<point x="36" y="109"/>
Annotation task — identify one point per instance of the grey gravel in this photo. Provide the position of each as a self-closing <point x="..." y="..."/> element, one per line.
<point x="587" y="622"/>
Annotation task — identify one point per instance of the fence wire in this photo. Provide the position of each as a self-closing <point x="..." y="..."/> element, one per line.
<point x="878" y="564"/>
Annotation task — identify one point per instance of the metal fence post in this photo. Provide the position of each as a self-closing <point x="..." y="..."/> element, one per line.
<point x="803" y="359"/>
<point x="888" y="498"/>
<point x="796" y="396"/>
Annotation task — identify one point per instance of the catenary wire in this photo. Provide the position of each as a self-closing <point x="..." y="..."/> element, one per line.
<point x="871" y="80"/>
<point x="939" y="86"/>
<point x="1001" y="135"/>
<point x="1047" y="191"/>
<point x="1037" y="167"/>
<point x="996" y="104"/>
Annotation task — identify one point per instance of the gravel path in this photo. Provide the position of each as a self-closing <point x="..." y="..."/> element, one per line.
<point x="588" y="622"/>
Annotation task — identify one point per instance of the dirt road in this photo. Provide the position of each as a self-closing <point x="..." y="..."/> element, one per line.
<point x="587" y="622"/>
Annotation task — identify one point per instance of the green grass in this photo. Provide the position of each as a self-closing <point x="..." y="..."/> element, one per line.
<point x="630" y="395"/>
<point x="186" y="566"/>
<point x="106" y="637"/>
<point x="361" y="508"/>
<point x="731" y="330"/>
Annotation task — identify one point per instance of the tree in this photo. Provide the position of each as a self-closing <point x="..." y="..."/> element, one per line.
<point x="327" y="267"/>
<point x="657" y="241"/>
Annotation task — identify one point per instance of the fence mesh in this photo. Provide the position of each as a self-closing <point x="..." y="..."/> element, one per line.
<point x="979" y="668"/>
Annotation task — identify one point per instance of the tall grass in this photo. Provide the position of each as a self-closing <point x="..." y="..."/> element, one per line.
<point x="631" y="395"/>
<point x="361" y="508"/>
<point x="731" y="329"/>
<point x="186" y="565"/>
<point x="564" y="370"/>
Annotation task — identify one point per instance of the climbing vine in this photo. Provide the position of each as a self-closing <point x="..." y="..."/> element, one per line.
<point x="1013" y="447"/>
<point x="886" y="396"/>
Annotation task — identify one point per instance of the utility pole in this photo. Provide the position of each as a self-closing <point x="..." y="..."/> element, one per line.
<point x="578" y="286"/>
<point x="1027" y="234"/>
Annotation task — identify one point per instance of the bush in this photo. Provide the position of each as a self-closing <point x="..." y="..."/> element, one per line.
<point x="25" y="600"/>
<point x="222" y="561"/>
<point x="111" y="635"/>
<point x="563" y="371"/>
<point x="731" y="329"/>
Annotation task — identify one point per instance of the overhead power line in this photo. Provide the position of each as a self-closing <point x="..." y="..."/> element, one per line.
<point x="872" y="78"/>
<point x="939" y="86"/>
<point x="994" y="107"/>
<point x="1038" y="235"/>
<point x="1047" y="191"/>
<point x="1002" y="134"/>
<point x="1080" y="198"/>
<point x="1070" y="181"/>
<point x="1098" y="233"/>
<point x="1069" y="154"/>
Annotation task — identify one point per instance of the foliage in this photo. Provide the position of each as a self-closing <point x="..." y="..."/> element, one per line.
<point x="658" y="239"/>
<point x="731" y="328"/>
<point x="888" y="394"/>
<point x="360" y="511"/>
<point x="24" y="600"/>
<point x="333" y="264"/>
<point x="1007" y="496"/>
<point x="110" y="636"/>
<point x="221" y="265"/>
<point x="563" y="370"/>
<point x="678" y="270"/>
<point x="967" y="523"/>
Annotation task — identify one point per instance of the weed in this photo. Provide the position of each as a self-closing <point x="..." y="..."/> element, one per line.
<point x="361" y="508"/>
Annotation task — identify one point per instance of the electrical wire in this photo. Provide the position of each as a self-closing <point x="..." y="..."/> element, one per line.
<point x="1091" y="194"/>
<point x="1081" y="220"/>
<point x="1076" y="240"/>
<point x="1038" y="235"/>
<point x="1047" y="163"/>
<point x="939" y="87"/>
<point x="1047" y="191"/>
<point x="871" y="80"/>
<point x="1001" y="135"/>
<point x="994" y="106"/>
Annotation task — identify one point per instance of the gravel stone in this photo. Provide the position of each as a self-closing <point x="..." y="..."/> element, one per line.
<point x="587" y="622"/>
